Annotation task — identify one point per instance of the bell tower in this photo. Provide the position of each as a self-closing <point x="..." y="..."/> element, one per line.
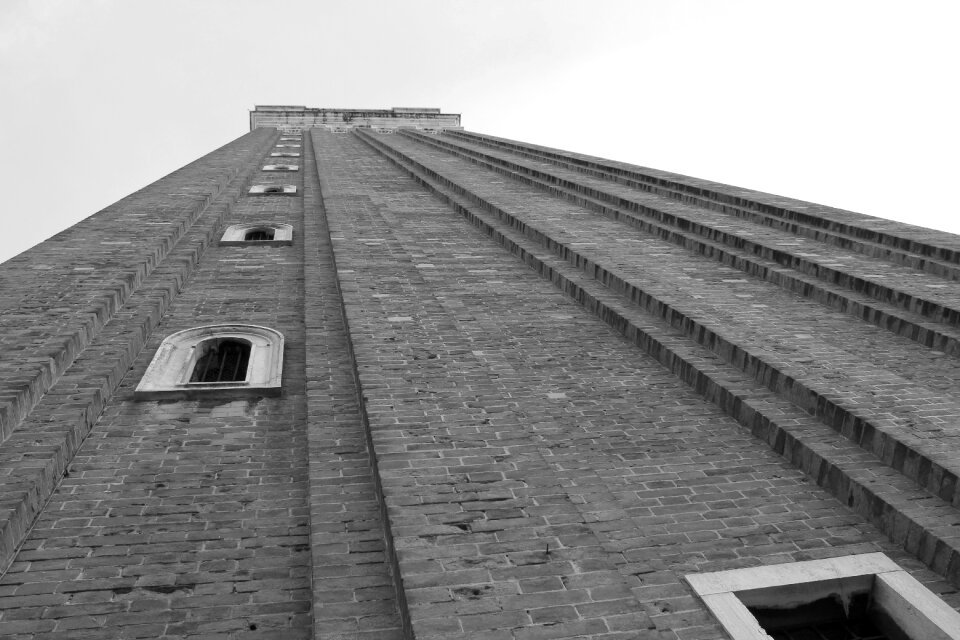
<point x="366" y="373"/>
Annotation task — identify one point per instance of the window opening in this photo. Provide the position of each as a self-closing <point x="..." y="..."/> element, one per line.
<point x="857" y="597"/>
<point x="831" y="618"/>
<point x="222" y="360"/>
<point x="273" y="189"/>
<point x="235" y="360"/>
<point x="255" y="235"/>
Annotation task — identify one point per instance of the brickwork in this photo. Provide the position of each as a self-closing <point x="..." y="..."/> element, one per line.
<point x="36" y="454"/>
<point x="525" y="392"/>
<point x="185" y="518"/>
<point x="543" y="479"/>
<point x="919" y="458"/>
<point x="354" y="587"/>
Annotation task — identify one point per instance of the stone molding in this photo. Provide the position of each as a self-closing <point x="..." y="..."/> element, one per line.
<point x="233" y="236"/>
<point x="294" y="118"/>
<point x="916" y="610"/>
<point x="273" y="190"/>
<point x="169" y="372"/>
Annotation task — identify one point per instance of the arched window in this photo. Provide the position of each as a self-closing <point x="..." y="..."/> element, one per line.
<point x="263" y="233"/>
<point x="273" y="190"/>
<point x="221" y="360"/>
<point x="226" y="359"/>
<point x="258" y="235"/>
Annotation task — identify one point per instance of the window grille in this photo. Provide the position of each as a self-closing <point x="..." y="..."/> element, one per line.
<point x="222" y="361"/>
<point x="255" y="235"/>
<point x="857" y="597"/>
<point x="236" y="360"/>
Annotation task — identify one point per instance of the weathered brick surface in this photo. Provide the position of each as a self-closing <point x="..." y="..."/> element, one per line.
<point x="542" y="477"/>
<point x="902" y="510"/>
<point x="184" y="518"/>
<point x="773" y="363"/>
<point x="36" y="454"/>
<point x="354" y="594"/>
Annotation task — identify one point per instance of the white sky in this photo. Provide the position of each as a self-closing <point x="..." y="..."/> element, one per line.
<point x="847" y="103"/>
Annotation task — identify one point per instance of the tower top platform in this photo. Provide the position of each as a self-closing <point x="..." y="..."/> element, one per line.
<point x="296" y="117"/>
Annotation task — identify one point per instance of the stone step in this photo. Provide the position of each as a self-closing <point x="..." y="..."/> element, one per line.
<point x="902" y="322"/>
<point x="887" y="498"/>
<point x="921" y="248"/>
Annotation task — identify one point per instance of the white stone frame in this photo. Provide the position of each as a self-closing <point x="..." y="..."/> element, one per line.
<point x="288" y="146"/>
<point x="270" y="190"/>
<point x="285" y="154"/>
<point x="281" y="167"/>
<point x="233" y="236"/>
<point x="168" y="375"/>
<point x="916" y="609"/>
<point x="296" y="138"/>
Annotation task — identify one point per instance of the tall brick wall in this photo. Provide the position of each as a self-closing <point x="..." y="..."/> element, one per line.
<point x="525" y="392"/>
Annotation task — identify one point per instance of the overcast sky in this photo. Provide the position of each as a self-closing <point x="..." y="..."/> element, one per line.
<point x="851" y="104"/>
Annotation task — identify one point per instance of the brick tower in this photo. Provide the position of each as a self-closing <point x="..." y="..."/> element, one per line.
<point x="365" y="374"/>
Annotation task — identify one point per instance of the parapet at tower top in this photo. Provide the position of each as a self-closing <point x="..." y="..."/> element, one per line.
<point x="296" y="118"/>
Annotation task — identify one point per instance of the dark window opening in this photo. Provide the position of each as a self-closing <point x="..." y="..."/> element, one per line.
<point x="273" y="190"/>
<point x="222" y="360"/>
<point x="259" y="234"/>
<point x="829" y="619"/>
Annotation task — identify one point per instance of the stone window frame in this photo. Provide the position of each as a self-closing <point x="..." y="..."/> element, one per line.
<point x="285" y="154"/>
<point x="169" y="372"/>
<point x="917" y="610"/>
<point x="289" y="146"/>
<point x="292" y="138"/>
<point x="271" y="190"/>
<point x="235" y="234"/>
<point x="281" y="167"/>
